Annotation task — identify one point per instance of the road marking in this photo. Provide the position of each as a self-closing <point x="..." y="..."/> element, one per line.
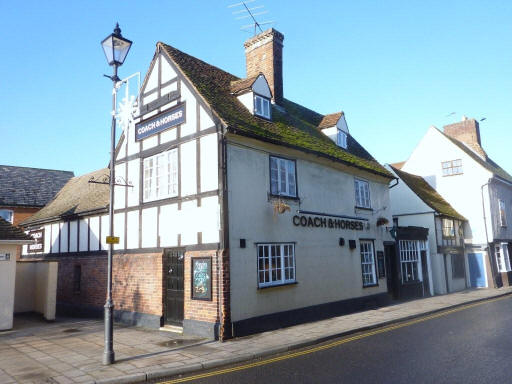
<point x="330" y="345"/>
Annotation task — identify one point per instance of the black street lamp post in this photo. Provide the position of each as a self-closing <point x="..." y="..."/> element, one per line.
<point x="116" y="48"/>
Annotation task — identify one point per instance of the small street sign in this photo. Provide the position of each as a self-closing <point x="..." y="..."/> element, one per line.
<point x="112" y="240"/>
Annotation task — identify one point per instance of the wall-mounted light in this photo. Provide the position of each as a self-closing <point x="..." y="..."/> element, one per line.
<point x="342" y="242"/>
<point x="352" y="244"/>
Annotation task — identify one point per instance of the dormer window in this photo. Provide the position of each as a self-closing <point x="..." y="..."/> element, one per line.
<point x="341" y="139"/>
<point x="261" y="106"/>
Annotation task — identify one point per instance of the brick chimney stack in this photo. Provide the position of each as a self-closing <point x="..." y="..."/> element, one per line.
<point x="264" y="53"/>
<point x="467" y="131"/>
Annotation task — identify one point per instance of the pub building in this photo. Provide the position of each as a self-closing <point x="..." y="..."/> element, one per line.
<point x="248" y="211"/>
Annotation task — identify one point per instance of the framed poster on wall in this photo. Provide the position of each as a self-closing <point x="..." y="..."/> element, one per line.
<point x="201" y="278"/>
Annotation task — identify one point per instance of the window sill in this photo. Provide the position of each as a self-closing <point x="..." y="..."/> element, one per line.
<point x="364" y="208"/>
<point x="278" y="285"/>
<point x="371" y="285"/>
<point x="284" y="197"/>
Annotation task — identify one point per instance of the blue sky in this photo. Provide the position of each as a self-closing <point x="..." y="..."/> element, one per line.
<point x="394" y="67"/>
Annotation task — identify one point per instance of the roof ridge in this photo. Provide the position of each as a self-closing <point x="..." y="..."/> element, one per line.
<point x="36" y="168"/>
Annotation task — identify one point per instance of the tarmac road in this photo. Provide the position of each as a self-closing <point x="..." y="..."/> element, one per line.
<point x="466" y="345"/>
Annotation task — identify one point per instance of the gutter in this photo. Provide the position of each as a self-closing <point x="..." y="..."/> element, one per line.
<point x="17" y="242"/>
<point x="394" y="185"/>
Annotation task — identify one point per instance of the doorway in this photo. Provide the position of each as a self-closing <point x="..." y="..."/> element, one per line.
<point x="174" y="293"/>
<point x="391" y="269"/>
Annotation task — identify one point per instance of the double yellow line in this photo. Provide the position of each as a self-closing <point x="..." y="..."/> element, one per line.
<point x="330" y="345"/>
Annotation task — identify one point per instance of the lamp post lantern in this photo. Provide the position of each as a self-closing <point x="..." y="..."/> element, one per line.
<point x="116" y="48"/>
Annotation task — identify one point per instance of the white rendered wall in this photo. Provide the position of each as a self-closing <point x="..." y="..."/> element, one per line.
<point x="320" y="261"/>
<point x="463" y="192"/>
<point x="73" y="236"/>
<point x="83" y="235"/>
<point x="94" y="234"/>
<point x="190" y="125"/>
<point x="55" y="238"/>
<point x="149" y="227"/>
<point x="247" y="99"/>
<point x="209" y="163"/>
<point x="36" y="288"/>
<point x="63" y="227"/>
<point x="133" y="178"/>
<point x="7" y="281"/>
<point x="188" y="164"/>
<point x="169" y="225"/>
<point x="132" y="226"/>
<point x="205" y="120"/>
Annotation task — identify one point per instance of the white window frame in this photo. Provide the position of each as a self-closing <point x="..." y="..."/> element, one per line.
<point x="452" y="167"/>
<point x="160" y="176"/>
<point x="362" y="193"/>
<point x="341" y="139"/>
<point x="262" y="106"/>
<point x="502" y="213"/>
<point x="283" y="177"/>
<point x="448" y="231"/>
<point x="410" y="260"/>
<point x="502" y="258"/>
<point x="276" y="264"/>
<point x="368" y="270"/>
<point x="9" y="217"/>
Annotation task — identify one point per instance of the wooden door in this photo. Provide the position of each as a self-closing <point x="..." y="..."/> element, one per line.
<point x="174" y="287"/>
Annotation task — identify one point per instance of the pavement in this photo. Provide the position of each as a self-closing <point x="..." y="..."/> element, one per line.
<point x="71" y="350"/>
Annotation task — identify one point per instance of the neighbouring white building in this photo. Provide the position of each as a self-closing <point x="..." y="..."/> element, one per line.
<point x="247" y="212"/>
<point x="454" y="163"/>
<point x="415" y="203"/>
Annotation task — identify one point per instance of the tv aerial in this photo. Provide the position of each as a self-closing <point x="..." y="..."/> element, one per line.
<point x="245" y="12"/>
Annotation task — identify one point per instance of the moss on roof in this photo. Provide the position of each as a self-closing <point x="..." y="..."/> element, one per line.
<point x="293" y="126"/>
<point x="428" y="194"/>
<point x="238" y="86"/>
<point x="76" y="197"/>
<point x="488" y="164"/>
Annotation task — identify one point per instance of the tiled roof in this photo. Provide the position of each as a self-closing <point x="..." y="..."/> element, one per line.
<point x="428" y="194"/>
<point x="10" y="232"/>
<point x="30" y="187"/>
<point x="295" y="127"/>
<point x="488" y="164"/>
<point x="238" y="86"/>
<point x="78" y="196"/>
<point x="330" y="120"/>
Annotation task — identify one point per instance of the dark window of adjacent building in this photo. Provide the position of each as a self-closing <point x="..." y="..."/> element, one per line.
<point x="452" y="167"/>
<point x="282" y="177"/>
<point x="7" y="215"/>
<point x="503" y="213"/>
<point x="77" y="278"/>
<point x="458" y="266"/>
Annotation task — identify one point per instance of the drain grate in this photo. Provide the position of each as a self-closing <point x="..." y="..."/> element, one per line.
<point x="71" y="330"/>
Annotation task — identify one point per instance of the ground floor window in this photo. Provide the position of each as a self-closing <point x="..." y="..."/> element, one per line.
<point x="410" y="260"/>
<point x="276" y="264"/>
<point x="458" y="266"/>
<point x="367" y="263"/>
<point x="502" y="257"/>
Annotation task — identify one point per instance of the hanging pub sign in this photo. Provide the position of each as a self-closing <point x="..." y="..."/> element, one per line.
<point x="202" y="278"/>
<point x="38" y="246"/>
<point x="161" y="122"/>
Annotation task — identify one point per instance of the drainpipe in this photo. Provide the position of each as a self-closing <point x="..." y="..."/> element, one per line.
<point x="493" y="269"/>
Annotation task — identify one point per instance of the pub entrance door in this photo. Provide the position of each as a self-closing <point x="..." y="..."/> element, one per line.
<point x="391" y="269"/>
<point x="174" y="293"/>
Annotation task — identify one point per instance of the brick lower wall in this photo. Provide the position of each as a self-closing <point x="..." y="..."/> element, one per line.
<point x="201" y="310"/>
<point x="136" y="282"/>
